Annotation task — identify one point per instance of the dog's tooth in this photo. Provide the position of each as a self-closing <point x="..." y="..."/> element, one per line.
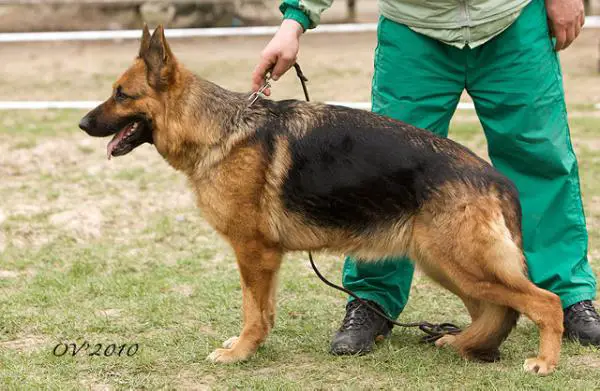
<point x="131" y="129"/>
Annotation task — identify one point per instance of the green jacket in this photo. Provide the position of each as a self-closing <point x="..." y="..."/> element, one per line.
<point x="455" y="22"/>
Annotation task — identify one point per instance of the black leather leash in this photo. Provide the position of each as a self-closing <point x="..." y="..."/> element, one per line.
<point x="434" y="331"/>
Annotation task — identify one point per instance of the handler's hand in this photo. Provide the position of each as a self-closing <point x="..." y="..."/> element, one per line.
<point x="565" y="19"/>
<point x="279" y="55"/>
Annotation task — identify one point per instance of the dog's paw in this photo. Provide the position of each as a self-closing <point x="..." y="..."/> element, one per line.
<point x="224" y="356"/>
<point x="229" y="344"/>
<point x="446" y="340"/>
<point x="538" y="366"/>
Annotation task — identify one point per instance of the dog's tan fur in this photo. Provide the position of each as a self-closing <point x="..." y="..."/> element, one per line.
<point x="465" y="237"/>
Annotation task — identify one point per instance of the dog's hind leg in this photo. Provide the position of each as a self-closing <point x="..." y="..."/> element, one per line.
<point x="473" y="251"/>
<point x="500" y="304"/>
<point x="490" y="324"/>
<point x="474" y="307"/>
<point x="542" y="307"/>
<point x="482" y="338"/>
<point x="488" y="328"/>
<point x="258" y="265"/>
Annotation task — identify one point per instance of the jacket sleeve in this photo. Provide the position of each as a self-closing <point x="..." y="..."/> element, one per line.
<point x="305" y="12"/>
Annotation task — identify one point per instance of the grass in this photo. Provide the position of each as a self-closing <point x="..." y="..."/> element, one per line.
<point x="115" y="252"/>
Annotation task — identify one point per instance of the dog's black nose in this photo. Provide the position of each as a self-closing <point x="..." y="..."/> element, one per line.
<point x="84" y="124"/>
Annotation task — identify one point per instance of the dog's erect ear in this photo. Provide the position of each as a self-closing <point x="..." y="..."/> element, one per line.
<point x="145" y="43"/>
<point x="158" y="58"/>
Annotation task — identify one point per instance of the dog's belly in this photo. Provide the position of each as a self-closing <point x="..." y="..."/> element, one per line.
<point x="378" y="240"/>
<point x="392" y="241"/>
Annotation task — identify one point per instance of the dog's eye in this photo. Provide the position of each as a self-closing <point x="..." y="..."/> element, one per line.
<point x="120" y="96"/>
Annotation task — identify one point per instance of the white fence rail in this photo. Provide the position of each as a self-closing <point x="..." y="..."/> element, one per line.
<point x="590" y="22"/>
<point x="177" y="33"/>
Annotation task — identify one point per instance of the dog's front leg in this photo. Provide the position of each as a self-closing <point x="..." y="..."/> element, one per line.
<point x="258" y="265"/>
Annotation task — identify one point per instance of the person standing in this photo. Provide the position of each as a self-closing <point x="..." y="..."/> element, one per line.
<point x="504" y="53"/>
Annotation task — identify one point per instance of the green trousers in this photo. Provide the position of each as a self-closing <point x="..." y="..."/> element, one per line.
<point x="515" y="82"/>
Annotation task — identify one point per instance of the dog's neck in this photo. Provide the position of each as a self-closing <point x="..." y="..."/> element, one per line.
<point x="212" y="119"/>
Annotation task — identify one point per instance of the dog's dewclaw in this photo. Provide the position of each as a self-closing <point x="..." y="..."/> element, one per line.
<point x="230" y="342"/>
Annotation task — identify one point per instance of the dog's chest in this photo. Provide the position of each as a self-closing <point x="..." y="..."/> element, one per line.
<point x="229" y="198"/>
<point x="216" y="205"/>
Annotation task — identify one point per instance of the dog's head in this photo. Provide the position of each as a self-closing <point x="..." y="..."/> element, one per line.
<point x="135" y="110"/>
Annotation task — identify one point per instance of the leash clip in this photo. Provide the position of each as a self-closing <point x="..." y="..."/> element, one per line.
<point x="254" y="96"/>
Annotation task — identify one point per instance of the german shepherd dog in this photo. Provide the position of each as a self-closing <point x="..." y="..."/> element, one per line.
<point x="279" y="176"/>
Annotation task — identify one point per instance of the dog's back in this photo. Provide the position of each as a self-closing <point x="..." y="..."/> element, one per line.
<point x="356" y="171"/>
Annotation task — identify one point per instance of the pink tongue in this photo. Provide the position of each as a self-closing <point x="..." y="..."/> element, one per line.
<point x="115" y="141"/>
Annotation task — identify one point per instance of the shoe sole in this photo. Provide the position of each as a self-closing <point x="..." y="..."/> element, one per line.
<point x="345" y="350"/>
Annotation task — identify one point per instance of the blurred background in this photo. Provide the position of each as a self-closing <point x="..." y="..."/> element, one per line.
<point x="116" y="251"/>
<point x="64" y="15"/>
<point x="81" y="69"/>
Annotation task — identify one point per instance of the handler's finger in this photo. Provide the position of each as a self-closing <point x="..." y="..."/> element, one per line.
<point x="571" y="35"/>
<point x="258" y="76"/>
<point x="577" y="27"/>
<point x="561" y="36"/>
<point x="283" y="64"/>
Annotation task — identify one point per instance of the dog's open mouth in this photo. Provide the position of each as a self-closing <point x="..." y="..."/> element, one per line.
<point x="134" y="134"/>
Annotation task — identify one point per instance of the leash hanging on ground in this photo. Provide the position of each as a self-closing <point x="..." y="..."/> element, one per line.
<point x="433" y="331"/>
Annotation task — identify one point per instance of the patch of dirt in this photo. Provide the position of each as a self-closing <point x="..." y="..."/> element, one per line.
<point x="93" y="384"/>
<point x="586" y="360"/>
<point x="45" y="159"/>
<point x="26" y="344"/>
<point x="593" y="144"/>
<point x="8" y="274"/>
<point x="2" y="236"/>
<point x="593" y="213"/>
<point x="109" y="313"/>
<point x="207" y="330"/>
<point x="183" y="290"/>
<point x="31" y="235"/>
<point x="589" y="143"/>
<point x="101" y="387"/>
<point x="83" y="222"/>
<point x="188" y="380"/>
<point x="85" y="196"/>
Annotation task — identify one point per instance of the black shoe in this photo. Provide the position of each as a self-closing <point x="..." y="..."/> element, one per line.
<point x="582" y="323"/>
<point x="359" y="330"/>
